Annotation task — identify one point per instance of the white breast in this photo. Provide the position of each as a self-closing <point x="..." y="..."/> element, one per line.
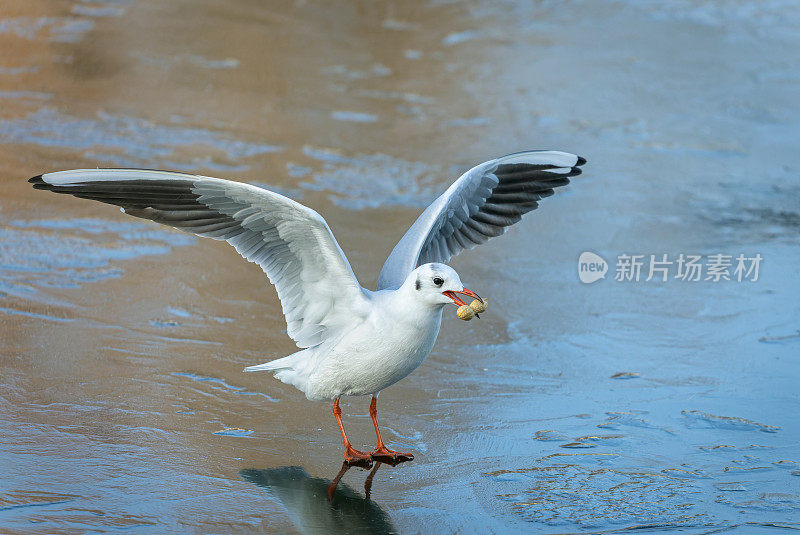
<point x="373" y="357"/>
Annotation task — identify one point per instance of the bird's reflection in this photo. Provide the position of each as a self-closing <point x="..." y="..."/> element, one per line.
<point x="318" y="505"/>
<point x="345" y="467"/>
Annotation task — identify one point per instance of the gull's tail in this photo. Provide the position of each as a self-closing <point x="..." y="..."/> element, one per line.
<point x="273" y="365"/>
<point x="293" y="370"/>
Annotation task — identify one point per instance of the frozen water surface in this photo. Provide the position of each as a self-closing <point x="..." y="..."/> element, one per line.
<point x="569" y="408"/>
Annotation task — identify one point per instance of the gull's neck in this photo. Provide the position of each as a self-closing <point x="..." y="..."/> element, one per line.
<point x="409" y="296"/>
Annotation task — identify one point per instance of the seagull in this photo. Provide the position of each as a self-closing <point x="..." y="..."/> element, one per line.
<point x="352" y="341"/>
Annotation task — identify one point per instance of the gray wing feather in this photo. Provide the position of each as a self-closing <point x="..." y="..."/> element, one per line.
<point x="292" y="243"/>
<point x="481" y="204"/>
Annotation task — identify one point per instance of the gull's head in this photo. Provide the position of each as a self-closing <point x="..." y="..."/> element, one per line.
<point x="438" y="284"/>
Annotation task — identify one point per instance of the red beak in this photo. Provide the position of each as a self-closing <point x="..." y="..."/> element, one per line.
<point x="466" y="291"/>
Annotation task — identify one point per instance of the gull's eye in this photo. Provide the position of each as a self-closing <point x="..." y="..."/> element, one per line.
<point x="438" y="281"/>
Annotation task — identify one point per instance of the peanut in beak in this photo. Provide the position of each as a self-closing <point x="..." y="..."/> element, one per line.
<point x="467" y="312"/>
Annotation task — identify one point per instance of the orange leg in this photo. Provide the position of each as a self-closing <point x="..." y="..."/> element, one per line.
<point x="352" y="456"/>
<point x="382" y="453"/>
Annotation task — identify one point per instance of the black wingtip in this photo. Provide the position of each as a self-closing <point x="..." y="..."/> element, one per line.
<point x="581" y="160"/>
<point x="38" y="182"/>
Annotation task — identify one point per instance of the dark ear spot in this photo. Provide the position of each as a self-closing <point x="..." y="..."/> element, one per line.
<point x="417" y="284"/>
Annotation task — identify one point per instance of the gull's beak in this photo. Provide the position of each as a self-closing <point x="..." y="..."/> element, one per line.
<point x="466" y="291"/>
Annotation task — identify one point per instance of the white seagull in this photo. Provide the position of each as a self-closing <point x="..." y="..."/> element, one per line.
<point x="353" y="341"/>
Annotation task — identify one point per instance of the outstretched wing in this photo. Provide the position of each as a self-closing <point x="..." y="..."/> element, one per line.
<point x="481" y="204"/>
<point x="292" y="243"/>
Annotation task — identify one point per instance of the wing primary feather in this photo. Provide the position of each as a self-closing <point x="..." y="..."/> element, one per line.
<point x="481" y="204"/>
<point x="288" y="240"/>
